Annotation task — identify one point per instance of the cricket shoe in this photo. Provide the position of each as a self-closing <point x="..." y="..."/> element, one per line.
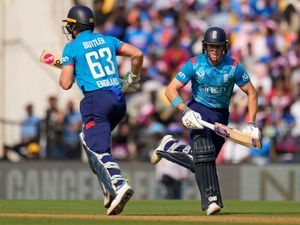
<point x="124" y="193"/>
<point x="107" y="200"/>
<point x="213" y="209"/>
<point x="161" y="147"/>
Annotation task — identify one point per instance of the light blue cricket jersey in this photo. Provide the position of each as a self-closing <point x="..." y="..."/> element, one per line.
<point x="212" y="85"/>
<point x="94" y="57"/>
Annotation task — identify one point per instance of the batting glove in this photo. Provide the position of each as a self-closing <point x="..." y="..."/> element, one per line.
<point x="129" y="88"/>
<point x="191" y="119"/>
<point x="132" y="78"/>
<point x="252" y="130"/>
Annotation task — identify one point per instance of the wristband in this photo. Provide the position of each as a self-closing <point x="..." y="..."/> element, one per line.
<point x="185" y="110"/>
<point x="176" y="101"/>
<point x="251" y="123"/>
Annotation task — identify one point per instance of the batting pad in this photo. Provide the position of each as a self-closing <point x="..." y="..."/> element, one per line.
<point x="204" y="154"/>
<point x="180" y="158"/>
<point x="100" y="168"/>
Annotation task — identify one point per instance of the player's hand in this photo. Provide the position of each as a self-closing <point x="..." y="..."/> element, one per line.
<point x="132" y="78"/>
<point x="252" y="130"/>
<point x="129" y="88"/>
<point x="191" y="119"/>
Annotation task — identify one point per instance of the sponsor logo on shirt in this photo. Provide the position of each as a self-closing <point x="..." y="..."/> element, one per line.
<point x="214" y="90"/>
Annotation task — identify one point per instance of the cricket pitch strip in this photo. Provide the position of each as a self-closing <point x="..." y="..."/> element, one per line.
<point x="219" y="218"/>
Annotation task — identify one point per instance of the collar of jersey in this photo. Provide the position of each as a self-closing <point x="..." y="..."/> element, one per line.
<point x="84" y="33"/>
<point x="219" y="63"/>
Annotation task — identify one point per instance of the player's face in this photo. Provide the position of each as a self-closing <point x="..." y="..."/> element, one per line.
<point x="215" y="52"/>
<point x="68" y="31"/>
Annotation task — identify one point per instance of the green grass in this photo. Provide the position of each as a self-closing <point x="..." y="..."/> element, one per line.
<point x="94" y="209"/>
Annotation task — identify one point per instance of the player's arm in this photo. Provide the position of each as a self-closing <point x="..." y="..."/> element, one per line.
<point x="136" y="56"/>
<point x="252" y="100"/>
<point x="190" y="119"/>
<point x="172" y="93"/>
<point x="251" y="128"/>
<point x="66" y="79"/>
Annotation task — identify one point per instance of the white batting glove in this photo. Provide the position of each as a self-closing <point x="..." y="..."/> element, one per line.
<point x="252" y="130"/>
<point x="191" y="119"/>
<point x="132" y="78"/>
<point x="129" y="88"/>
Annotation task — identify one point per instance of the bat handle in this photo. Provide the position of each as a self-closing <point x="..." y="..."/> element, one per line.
<point x="207" y="124"/>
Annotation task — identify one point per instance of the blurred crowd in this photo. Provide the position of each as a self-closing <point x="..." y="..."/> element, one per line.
<point x="55" y="136"/>
<point x="264" y="36"/>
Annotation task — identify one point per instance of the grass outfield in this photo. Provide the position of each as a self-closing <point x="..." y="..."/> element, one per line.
<point x="39" y="212"/>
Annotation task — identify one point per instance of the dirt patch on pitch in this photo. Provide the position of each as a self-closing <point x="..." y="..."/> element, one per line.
<point x="219" y="218"/>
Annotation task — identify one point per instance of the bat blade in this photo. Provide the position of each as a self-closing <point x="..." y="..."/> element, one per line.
<point x="51" y="59"/>
<point x="237" y="136"/>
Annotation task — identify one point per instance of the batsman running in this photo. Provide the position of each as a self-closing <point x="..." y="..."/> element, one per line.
<point x="90" y="60"/>
<point x="213" y="75"/>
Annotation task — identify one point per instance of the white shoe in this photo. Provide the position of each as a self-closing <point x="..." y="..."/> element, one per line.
<point x="213" y="209"/>
<point x="118" y="203"/>
<point x="154" y="157"/>
<point x="107" y="200"/>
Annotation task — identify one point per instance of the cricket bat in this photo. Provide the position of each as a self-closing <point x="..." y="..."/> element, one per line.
<point x="51" y="59"/>
<point x="233" y="134"/>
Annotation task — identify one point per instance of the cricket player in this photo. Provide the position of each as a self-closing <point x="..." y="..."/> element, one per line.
<point x="213" y="75"/>
<point x="90" y="60"/>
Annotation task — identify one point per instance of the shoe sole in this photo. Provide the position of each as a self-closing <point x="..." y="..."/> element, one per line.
<point x="215" y="211"/>
<point x="119" y="208"/>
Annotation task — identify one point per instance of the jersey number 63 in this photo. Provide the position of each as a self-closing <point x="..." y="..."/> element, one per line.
<point x="95" y="57"/>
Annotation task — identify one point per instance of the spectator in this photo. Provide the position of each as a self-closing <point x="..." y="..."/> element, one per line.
<point x="72" y="127"/>
<point x="54" y="130"/>
<point x="28" y="147"/>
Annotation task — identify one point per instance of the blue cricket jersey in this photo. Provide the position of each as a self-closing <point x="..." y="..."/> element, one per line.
<point x="94" y="57"/>
<point x="212" y="85"/>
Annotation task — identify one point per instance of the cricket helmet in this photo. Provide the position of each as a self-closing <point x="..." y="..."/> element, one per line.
<point x="79" y="18"/>
<point x="215" y="36"/>
<point x="80" y="14"/>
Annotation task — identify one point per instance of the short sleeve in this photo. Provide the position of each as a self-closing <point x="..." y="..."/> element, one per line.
<point x="241" y="76"/>
<point x="67" y="57"/>
<point x="117" y="43"/>
<point x="185" y="73"/>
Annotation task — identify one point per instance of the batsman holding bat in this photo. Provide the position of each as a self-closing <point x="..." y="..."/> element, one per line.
<point x="90" y="60"/>
<point x="213" y="75"/>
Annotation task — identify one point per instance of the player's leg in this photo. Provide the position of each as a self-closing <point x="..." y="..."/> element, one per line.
<point x="97" y="141"/>
<point x="124" y="191"/>
<point x="204" y="153"/>
<point x="174" y="151"/>
<point x="105" y="167"/>
<point x="206" y="145"/>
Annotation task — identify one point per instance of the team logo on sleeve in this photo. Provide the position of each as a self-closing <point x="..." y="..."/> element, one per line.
<point x="245" y="76"/>
<point x="65" y="59"/>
